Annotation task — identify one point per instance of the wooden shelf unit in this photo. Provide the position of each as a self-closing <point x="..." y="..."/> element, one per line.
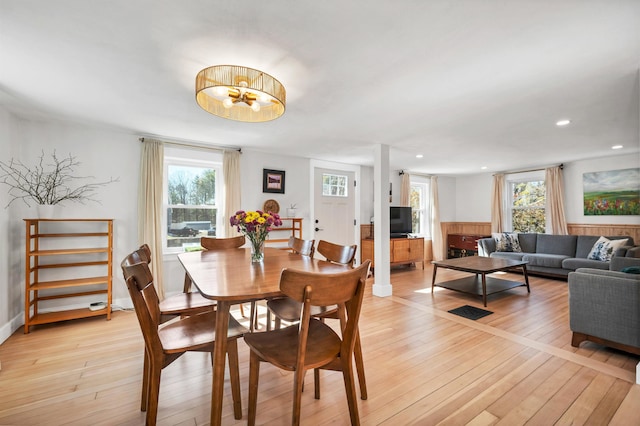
<point x="295" y="228"/>
<point x="66" y="260"/>
<point x="402" y="251"/>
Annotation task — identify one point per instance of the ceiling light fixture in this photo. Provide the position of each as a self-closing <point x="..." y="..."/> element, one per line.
<point x="617" y="147"/>
<point x="419" y="156"/>
<point x="561" y="123"/>
<point x="240" y="93"/>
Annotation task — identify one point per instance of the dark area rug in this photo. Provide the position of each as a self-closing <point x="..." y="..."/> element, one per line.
<point x="470" y="312"/>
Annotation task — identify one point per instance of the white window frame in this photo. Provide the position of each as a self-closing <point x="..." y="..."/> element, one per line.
<point x="345" y="187"/>
<point x="513" y="179"/>
<point x="425" y="205"/>
<point x="190" y="158"/>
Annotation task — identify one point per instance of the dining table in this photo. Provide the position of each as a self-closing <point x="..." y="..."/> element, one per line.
<point x="229" y="277"/>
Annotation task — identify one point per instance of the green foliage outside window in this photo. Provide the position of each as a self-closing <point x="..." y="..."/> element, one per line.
<point x="415" y="195"/>
<point x="528" y="210"/>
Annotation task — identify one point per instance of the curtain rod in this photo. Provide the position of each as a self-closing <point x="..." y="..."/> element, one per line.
<point x="561" y="165"/>
<point x="401" y="172"/>
<point x="195" y="144"/>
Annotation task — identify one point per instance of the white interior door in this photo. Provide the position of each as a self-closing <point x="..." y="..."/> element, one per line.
<point x="334" y="206"/>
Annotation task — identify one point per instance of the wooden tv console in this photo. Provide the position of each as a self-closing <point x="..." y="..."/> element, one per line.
<point x="402" y="251"/>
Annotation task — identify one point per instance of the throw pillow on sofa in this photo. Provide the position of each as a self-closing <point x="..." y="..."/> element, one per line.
<point x="604" y="248"/>
<point x="507" y="241"/>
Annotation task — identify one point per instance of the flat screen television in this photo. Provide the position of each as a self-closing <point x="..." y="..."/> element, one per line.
<point x="400" y="221"/>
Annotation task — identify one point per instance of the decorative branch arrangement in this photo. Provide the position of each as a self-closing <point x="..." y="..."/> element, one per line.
<point x="47" y="183"/>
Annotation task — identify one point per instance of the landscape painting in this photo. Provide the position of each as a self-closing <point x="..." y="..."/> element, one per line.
<point x="615" y="192"/>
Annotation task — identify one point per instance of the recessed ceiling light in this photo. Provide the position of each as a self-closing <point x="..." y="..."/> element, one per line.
<point x="617" y="147"/>
<point x="483" y="168"/>
<point x="419" y="156"/>
<point x="563" y="122"/>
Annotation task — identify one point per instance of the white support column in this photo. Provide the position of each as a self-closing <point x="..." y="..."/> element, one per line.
<point x="382" y="281"/>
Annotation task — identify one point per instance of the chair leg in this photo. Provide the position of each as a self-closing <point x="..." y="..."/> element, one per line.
<point x="298" y="382"/>
<point x="316" y="383"/>
<point x="242" y="310"/>
<point x="350" y="388"/>
<point x="268" y="319"/>
<point x="234" y="377"/>
<point x="144" y="397"/>
<point x="155" y="371"/>
<point x="360" y="366"/>
<point x="254" y="373"/>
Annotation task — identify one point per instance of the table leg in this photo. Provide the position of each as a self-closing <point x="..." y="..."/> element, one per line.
<point x="433" y="280"/>
<point x="484" y="289"/>
<point x="526" y="277"/>
<point x="219" y="358"/>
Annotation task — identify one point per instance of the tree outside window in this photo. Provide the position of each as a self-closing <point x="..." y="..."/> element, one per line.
<point x="191" y="200"/>
<point x="419" y="202"/>
<point x="528" y="206"/>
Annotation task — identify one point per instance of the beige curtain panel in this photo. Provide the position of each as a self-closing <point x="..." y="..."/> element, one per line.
<point x="150" y="206"/>
<point x="436" y="229"/>
<point x="232" y="200"/>
<point x="555" y="200"/>
<point x="496" y="203"/>
<point x="405" y="190"/>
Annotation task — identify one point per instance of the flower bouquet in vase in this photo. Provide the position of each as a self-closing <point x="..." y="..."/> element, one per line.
<point x="255" y="225"/>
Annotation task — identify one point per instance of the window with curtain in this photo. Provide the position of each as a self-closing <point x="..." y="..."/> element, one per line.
<point x="526" y="201"/>
<point x="419" y="202"/>
<point x="192" y="197"/>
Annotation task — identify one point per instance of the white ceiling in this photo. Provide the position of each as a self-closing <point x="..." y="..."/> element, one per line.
<point x="467" y="83"/>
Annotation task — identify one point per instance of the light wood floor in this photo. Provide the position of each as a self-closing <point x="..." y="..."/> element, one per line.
<point x="424" y="366"/>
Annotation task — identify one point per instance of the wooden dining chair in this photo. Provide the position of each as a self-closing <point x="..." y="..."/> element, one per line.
<point x="312" y="344"/>
<point x="291" y="308"/>
<point x="186" y="303"/>
<point x="337" y="253"/>
<point x="164" y="343"/>
<point x="286" y="309"/>
<point x="302" y="247"/>
<point x="209" y="243"/>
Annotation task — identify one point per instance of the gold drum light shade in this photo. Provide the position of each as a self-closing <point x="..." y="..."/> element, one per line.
<point x="240" y="93"/>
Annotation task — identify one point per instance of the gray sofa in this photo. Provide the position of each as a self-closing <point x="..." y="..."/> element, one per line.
<point x="604" y="307"/>
<point x="558" y="255"/>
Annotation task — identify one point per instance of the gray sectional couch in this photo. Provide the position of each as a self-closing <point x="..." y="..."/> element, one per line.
<point x="557" y="255"/>
<point x="604" y="307"/>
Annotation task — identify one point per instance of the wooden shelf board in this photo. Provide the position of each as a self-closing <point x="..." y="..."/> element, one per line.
<point x="68" y="234"/>
<point x="49" y="317"/>
<point x="57" y="252"/>
<point x="69" y="283"/>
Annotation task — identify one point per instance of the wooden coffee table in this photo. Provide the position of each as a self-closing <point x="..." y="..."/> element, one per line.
<point x="480" y="284"/>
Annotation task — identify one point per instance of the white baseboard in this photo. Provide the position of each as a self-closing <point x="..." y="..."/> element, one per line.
<point x="18" y="321"/>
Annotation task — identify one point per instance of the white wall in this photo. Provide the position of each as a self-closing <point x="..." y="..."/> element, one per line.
<point x="473" y="193"/>
<point x="103" y="154"/>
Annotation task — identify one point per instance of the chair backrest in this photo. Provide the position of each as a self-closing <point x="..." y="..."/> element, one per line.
<point x="222" y="243"/>
<point x="144" y="297"/>
<point x="143" y="254"/>
<point x="337" y="253"/>
<point x="302" y="247"/>
<point x="344" y="289"/>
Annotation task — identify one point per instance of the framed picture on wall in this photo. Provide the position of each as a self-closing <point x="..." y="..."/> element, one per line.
<point x="273" y="181"/>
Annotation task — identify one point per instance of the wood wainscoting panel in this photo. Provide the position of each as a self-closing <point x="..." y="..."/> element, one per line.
<point x="605" y="229"/>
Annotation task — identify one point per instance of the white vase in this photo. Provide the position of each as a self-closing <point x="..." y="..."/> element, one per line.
<point x="46" y="211"/>
<point x="291" y="212"/>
